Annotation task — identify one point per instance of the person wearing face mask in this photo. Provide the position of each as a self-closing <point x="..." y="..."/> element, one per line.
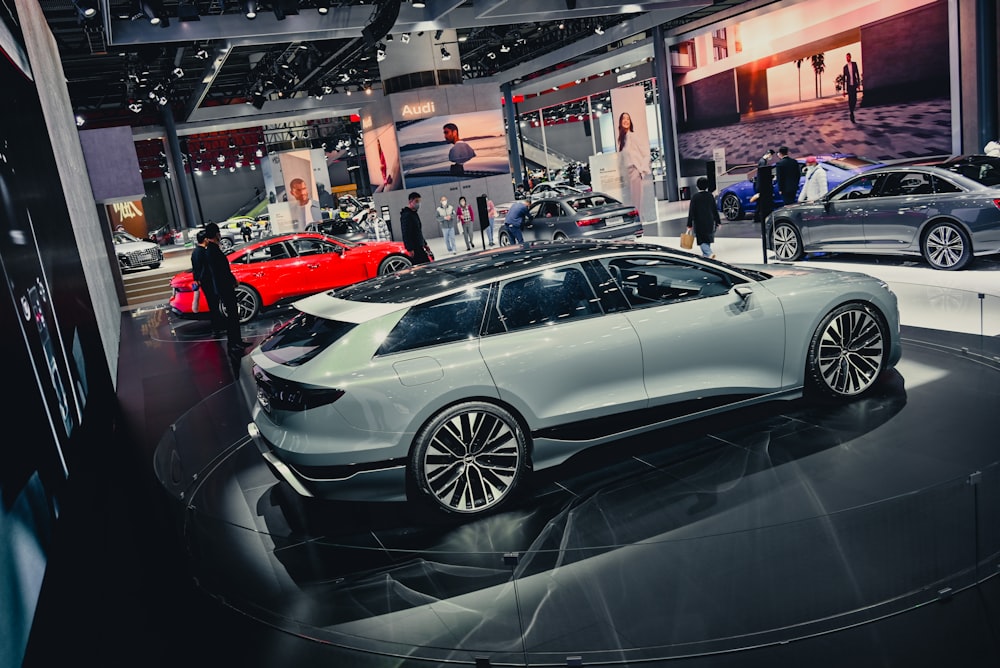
<point x="815" y="185"/>
<point x="412" y="230"/>
<point x="446" y="219"/>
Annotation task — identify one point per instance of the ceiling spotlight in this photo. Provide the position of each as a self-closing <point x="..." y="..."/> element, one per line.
<point x="466" y="66"/>
<point x="380" y="52"/>
<point x="437" y="34"/>
<point x="599" y="30"/>
<point x="162" y="100"/>
<point x="345" y="77"/>
<point x="220" y="158"/>
<point x="135" y="107"/>
<point x="153" y="10"/>
<point x="322" y="6"/>
<point x="327" y="89"/>
<point x="178" y="72"/>
<point x="504" y="48"/>
<point x="491" y="55"/>
<point x="86" y="8"/>
<point x="444" y="54"/>
<point x="250" y="9"/>
<point x="405" y="38"/>
<point x="418" y="4"/>
<point x="201" y="54"/>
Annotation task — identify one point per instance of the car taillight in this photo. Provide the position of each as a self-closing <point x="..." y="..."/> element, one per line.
<point x="996" y="203"/>
<point x="634" y="213"/>
<point x="586" y="222"/>
<point x="274" y="393"/>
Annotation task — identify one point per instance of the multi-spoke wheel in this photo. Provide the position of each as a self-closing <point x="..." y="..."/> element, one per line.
<point x="731" y="206"/>
<point x="394" y="263"/>
<point x="247" y="303"/>
<point x="226" y="244"/>
<point x="947" y="246"/>
<point x="787" y="242"/>
<point x="847" y="353"/>
<point x="470" y="457"/>
<point x="503" y="237"/>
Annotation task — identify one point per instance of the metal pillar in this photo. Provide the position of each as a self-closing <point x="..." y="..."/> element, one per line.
<point x="664" y="89"/>
<point x="513" y="133"/>
<point x="177" y="167"/>
<point x="986" y="71"/>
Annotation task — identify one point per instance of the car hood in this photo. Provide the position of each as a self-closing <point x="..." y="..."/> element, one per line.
<point x="817" y="276"/>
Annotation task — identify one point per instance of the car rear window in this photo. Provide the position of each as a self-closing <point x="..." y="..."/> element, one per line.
<point x="302" y="338"/>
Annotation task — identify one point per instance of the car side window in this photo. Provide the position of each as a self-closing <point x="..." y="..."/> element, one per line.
<point x="546" y="298"/>
<point x="453" y="318"/>
<point x="945" y="186"/>
<point x="276" y="251"/>
<point x="306" y="246"/>
<point x="549" y="209"/>
<point x="904" y="184"/>
<point x="855" y="189"/>
<point x="651" y="281"/>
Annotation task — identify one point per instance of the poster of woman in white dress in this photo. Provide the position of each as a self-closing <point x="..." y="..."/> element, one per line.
<point x="632" y="145"/>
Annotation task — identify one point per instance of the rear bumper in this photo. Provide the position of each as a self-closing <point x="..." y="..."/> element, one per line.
<point x="370" y="481"/>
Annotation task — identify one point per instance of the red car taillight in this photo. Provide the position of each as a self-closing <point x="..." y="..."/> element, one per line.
<point x="586" y="222"/>
<point x="996" y="203"/>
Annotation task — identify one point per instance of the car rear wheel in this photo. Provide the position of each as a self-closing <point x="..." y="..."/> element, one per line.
<point x="787" y="242"/>
<point x="503" y="237"/>
<point x="732" y="207"/>
<point x="394" y="263"/>
<point x="947" y="246"/>
<point x="247" y="303"/>
<point x="470" y="457"/>
<point x="847" y="352"/>
<point x="559" y="236"/>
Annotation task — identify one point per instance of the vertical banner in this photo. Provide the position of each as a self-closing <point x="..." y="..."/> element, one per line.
<point x="631" y="135"/>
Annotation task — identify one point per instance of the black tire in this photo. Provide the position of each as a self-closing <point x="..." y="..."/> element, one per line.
<point x="786" y="242"/>
<point x="732" y="207"/>
<point x="559" y="236"/>
<point x="394" y="263"/>
<point x="946" y="246"/>
<point x="503" y="237"/>
<point x="247" y="303"/>
<point x="470" y="458"/>
<point x="225" y="244"/>
<point x="847" y="352"/>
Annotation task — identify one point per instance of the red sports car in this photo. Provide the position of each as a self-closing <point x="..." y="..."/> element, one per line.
<point x="288" y="266"/>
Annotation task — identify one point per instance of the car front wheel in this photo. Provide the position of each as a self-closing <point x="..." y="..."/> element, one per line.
<point x="503" y="237"/>
<point x="470" y="457"/>
<point x="947" y="246"/>
<point x="394" y="263"/>
<point x="847" y="352"/>
<point x="787" y="242"/>
<point x="225" y="244"/>
<point x="732" y="207"/>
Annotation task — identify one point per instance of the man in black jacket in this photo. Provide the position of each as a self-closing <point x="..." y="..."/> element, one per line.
<point x="703" y="217"/>
<point x="206" y="287"/>
<point x="222" y="279"/>
<point x="788" y="172"/>
<point x="412" y="230"/>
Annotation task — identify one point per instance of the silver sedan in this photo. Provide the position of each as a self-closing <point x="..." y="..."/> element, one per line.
<point x="458" y="378"/>
<point x="931" y="212"/>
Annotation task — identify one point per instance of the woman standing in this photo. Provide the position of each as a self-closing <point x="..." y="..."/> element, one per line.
<point x="465" y="219"/>
<point x="635" y="160"/>
<point x="491" y="215"/>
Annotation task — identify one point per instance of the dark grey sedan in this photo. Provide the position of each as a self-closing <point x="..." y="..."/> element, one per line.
<point x="940" y="215"/>
<point x="590" y="215"/>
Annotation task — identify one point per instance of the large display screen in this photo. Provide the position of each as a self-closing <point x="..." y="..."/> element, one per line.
<point x="445" y="149"/>
<point x="784" y="78"/>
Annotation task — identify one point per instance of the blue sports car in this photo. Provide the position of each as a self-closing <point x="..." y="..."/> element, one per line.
<point x="735" y="201"/>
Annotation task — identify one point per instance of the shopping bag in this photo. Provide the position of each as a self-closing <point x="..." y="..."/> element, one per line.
<point x="687" y="240"/>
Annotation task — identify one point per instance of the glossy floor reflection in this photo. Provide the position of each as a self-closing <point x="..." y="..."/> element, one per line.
<point x="779" y="524"/>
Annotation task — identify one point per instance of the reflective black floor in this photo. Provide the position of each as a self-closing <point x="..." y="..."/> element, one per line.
<point x="789" y="532"/>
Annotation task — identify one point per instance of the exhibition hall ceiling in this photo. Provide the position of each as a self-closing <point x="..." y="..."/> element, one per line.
<point x="209" y="64"/>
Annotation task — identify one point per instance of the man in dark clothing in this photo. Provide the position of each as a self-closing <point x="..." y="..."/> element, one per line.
<point x="852" y="81"/>
<point x="517" y="216"/>
<point x="224" y="283"/>
<point x="788" y="173"/>
<point x="703" y="217"/>
<point x="412" y="230"/>
<point x="199" y="267"/>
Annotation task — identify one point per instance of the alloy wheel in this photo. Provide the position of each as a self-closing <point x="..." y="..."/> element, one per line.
<point x="848" y="351"/>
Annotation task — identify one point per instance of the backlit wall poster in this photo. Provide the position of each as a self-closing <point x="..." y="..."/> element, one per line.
<point x="451" y="148"/>
<point x="52" y="350"/>
<point x="783" y="79"/>
<point x="382" y="156"/>
<point x="294" y="181"/>
<point x="631" y="144"/>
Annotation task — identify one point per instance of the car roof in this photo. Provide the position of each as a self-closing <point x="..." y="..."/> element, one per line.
<point x="441" y="276"/>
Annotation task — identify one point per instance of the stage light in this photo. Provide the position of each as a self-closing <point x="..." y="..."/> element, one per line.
<point x="86" y="8"/>
<point x="153" y="10"/>
<point x="444" y="54"/>
<point x="405" y="38"/>
<point x="437" y="34"/>
<point x="419" y="4"/>
<point x="323" y="6"/>
<point x="599" y="30"/>
<point x="178" y="72"/>
<point x="250" y="9"/>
